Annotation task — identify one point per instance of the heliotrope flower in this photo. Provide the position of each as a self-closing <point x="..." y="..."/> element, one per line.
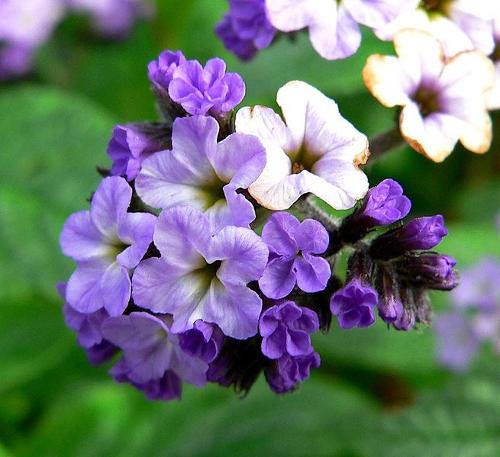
<point x="354" y="304"/>
<point x="294" y="247"/>
<point x="204" y="174"/>
<point x="161" y="70"/>
<point x="201" y="90"/>
<point x="200" y="276"/>
<point x="460" y="25"/>
<point x="285" y="329"/>
<point x="315" y="151"/>
<point x="107" y="243"/>
<point x="113" y="18"/>
<point x="132" y="143"/>
<point x="246" y="28"/>
<point x="443" y="100"/>
<point x="333" y="25"/>
<point x="24" y="26"/>
<point x="493" y="96"/>
<point x="203" y="341"/>
<point x="152" y="358"/>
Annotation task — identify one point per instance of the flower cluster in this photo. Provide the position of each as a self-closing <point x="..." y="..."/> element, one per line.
<point x="176" y="277"/>
<point x="474" y="318"/>
<point x="26" y="25"/>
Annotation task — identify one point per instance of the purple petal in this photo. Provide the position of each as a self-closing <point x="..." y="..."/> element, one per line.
<point x="273" y="345"/>
<point x="135" y="229"/>
<point x="311" y="237"/>
<point x="115" y="288"/>
<point x="278" y="234"/>
<point x="298" y="343"/>
<point x="312" y="272"/>
<point x="278" y="279"/>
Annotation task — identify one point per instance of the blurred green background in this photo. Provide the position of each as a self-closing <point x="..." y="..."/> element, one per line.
<point x="378" y="392"/>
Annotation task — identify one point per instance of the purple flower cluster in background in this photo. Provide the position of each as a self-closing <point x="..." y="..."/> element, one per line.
<point x="26" y="25"/>
<point x="174" y="281"/>
<point x="474" y="319"/>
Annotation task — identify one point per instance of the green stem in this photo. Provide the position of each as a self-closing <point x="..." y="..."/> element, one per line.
<point x="385" y="142"/>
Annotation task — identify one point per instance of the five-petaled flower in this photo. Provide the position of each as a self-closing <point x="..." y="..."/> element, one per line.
<point x="316" y="151"/>
<point x="200" y="276"/>
<point x="107" y="243"/>
<point x="443" y="99"/>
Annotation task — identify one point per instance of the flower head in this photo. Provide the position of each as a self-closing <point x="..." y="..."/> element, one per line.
<point x="200" y="276"/>
<point x="316" y="151"/>
<point x="161" y="70"/>
<point x="131" y="144"/>
<point x="285" y="330"/>
<point x="107" y="243"/>
<point x="202" y="173"/>
<point x="246" y="28"/>
<point x="203" y="341"/>
<point x="333" y="25"/>
<point x="150" y="351"/>
<point x="354" y="305"/>
<point x="443" y="100"/>
<point x="292" y="247"/>
<point x="206" y="89"/>
<point x="418" y="234"/>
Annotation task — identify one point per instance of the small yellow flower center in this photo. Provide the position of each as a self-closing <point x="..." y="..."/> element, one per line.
<point x="436" y="6"/>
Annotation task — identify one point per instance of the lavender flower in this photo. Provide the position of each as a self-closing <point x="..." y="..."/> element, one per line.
<point x="443" y="102"/>
<point x="131" y="144"/>
<point x="203" y="341"/>
<point x="333" y="25"/>
<point x="457" y="342"/>
<point x="418" y="234"/>
<point x="285" y="373"/>
<point x="285" y="330"/>
<point x="204" y="174"/>
<point x="316" y="151"/>
<point x="107" y="243"/>
<point x="292" y="246"/>
<point x="161" y="70"/>
<point x="493" y="96"/>
<point x="354" y="305"/>
<point x="113" y="18"/>
<point x="246" y="28"/>
<point x="152" y="358"/>
<point x="200" y="276"/>
<point x="384" y="204"/>
<point x="390" y="307"/>
<point x="206" y="89"/>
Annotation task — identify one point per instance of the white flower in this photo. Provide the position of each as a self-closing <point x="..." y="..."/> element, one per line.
<point x="315" y="151"/>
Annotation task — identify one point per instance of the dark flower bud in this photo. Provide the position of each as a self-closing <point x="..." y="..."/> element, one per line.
<point x="360" y="266"/>
<point x="428" y="269"/>
<point x="405" y="322"/>
<point x="389" y="306"/>
<point x="131" y="144"/>
<point x="384" y="204"/>
<point x="419" y="234"/>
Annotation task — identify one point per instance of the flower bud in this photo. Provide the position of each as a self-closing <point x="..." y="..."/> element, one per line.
<point x="384" y="204"/>
<point x="389" y="306"/>
<point x="418" y="234"/>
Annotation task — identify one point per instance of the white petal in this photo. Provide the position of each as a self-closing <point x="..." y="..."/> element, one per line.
<point x="291" y="15"/>
<point x="493" y="96"/>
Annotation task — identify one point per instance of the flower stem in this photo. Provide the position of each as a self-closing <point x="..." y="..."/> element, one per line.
<point x="384" y="143"/>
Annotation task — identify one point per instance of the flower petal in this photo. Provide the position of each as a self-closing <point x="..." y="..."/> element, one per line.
<point x="115" y="288"/>
<point x="135" y="229"/>
<point x="109" y="204"/>
<point x="377" y="13"/>
<point x="278" y="279"/>
<point x="312" y="272"/>
<point x="311" y="237"/>
<point x="278" y="233"/>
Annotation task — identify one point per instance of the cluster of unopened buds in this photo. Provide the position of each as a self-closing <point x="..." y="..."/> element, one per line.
<point x="191" y="267"/>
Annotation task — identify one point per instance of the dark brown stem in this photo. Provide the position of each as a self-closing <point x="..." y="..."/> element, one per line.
<point x="384" y="143"/>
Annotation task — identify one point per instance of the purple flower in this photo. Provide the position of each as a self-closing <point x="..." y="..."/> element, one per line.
<point x="200" y="276"/>
<point x="479" y="286"/>
<point x="107" y="242"/>
<point x="201" y="90"/>
<point x="292" y="246"/>
<point x="354" y="305"/>
<point x="443" y="99"/>
<point x="203" y="341"/>
<point x="384" y="204"/>
<point x="246" y="28"/>
<point x="406" y="320"/>
<point x="418" y="234"/>
<point x="390" y="310"/>
<point x="113" y="18"/>
<point x="333" y="25"/>
<point x="204" y="174"/>
<point x="150" y="350"/>
<point x="161" y="71"/>
<point x="428" y="269"/>
<point x="285" y="373"/>
<point x="457" y="343"/>
<point x="285" y="330"/>
<point x="390" y="307"/>
<point x="15" y="60"/>
<point x="131" y="144"/>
